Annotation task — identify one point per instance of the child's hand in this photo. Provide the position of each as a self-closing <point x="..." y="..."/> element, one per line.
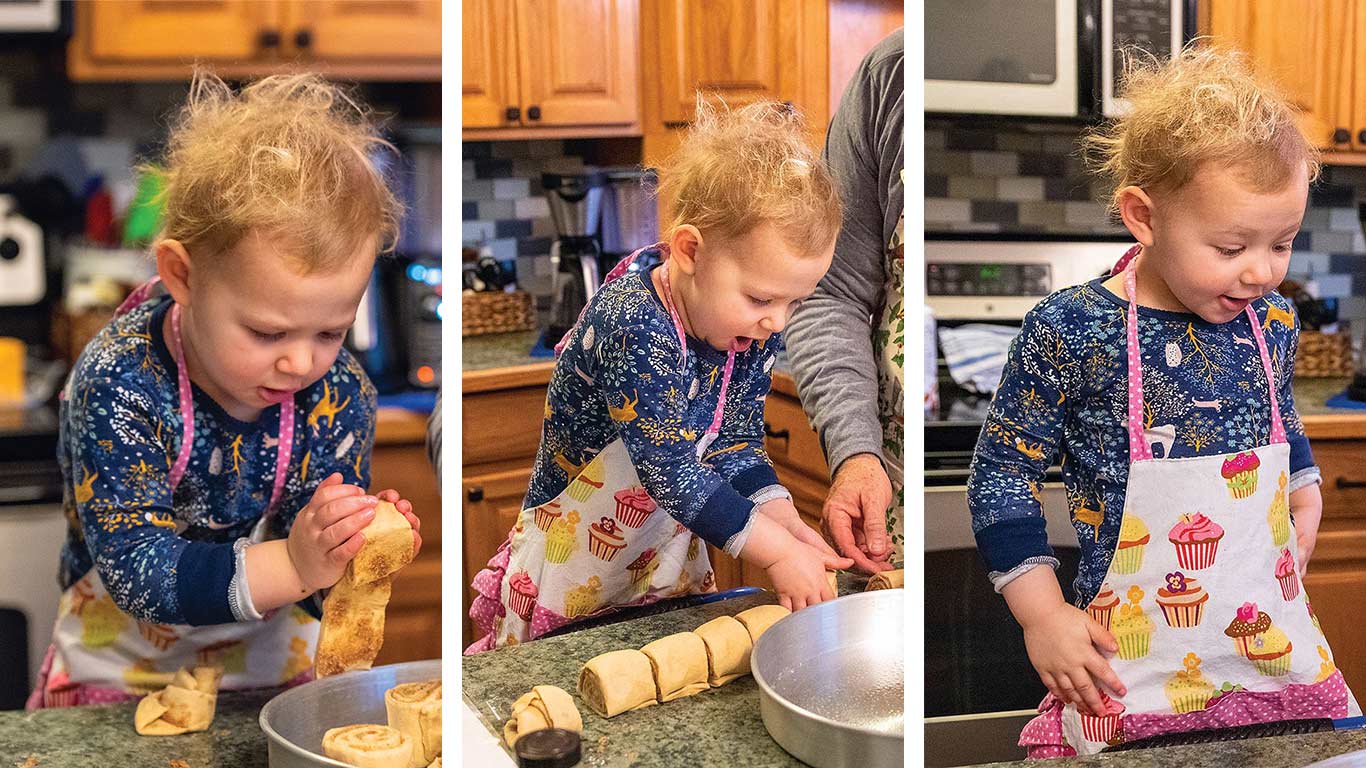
<point x="799" y="577"/>
<point x="782" y="512"/>
<point x="1306" y="506"/>
<point x="1063" y="641"/>
<point x="326" y="533"/>
<point x="405" y="508"/>
<point x="1063" y="646"/>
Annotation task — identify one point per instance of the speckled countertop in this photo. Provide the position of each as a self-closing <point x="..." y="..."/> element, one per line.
<point x="720" y="726"/>
<point x="80" y="737"/>
<point x="1275" y="752"/>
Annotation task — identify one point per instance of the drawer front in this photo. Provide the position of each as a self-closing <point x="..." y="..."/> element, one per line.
<point x="502" y="425"/>
<point x="490" y="504"/>
<point x="1344" y="481"/>
<point x="790" y="439"/>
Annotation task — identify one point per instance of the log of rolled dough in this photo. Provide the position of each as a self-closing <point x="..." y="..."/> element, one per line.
<point x="728" y="648"/>
<point x="679" y="665"/>
<point x="388" y="545"/>
<point x="887" y="580"/>
<point x="415" y="709"/>
<point x="759" y="618"/>
<point x="352" y="629"/>
<point x="185" y="706"/>
<point x="617" y="681"/>
<point x="544" y="706"/>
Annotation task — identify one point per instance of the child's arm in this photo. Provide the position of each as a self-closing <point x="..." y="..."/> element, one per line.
<point x="636" y="374"/>
<point x="1062" y="640"/>
<point x="738" y="453"/>
<point x="1020" y="439"/>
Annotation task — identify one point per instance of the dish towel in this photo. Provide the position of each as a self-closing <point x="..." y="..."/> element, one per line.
<point x="976" y="354"/>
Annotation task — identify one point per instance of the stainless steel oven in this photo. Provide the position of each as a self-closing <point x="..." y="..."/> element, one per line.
<point x="980" y="689"/>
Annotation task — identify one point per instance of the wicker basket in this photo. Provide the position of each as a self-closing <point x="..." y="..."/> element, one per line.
<point x="496" y="312"/>
<point x="1324" y="355"/>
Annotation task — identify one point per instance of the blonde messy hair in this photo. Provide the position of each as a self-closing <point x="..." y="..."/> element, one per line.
<point x="738" y="169"/>
<point x="290" y="157"/>
<point x="1202" y="106"/>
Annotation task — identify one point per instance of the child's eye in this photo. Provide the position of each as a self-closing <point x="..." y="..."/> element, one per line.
<point x="1284" y="247"/>
<point x="1231" y="251"/>
<point x="263" y="336"/>
<point x="333" y="335"/>
<point x="758" y="302"/>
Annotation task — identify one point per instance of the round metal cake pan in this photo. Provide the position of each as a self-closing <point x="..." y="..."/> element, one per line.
<point x="296" y="719"/>
<point x="832" y="681"/>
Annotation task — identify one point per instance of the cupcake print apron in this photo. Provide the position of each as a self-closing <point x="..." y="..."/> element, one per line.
<point x="1213" y="625"/>
<point x="601" y="544"/>
<point x="101" y="655"/>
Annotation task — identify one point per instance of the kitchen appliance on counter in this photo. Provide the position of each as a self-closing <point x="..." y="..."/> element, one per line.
<point x="576" y="208"/>
<point x="1053" y="58"/>
<point x="22" y="276"/>
<point x="980" y="688"/>
<point x="630" y="218"/>
<point x="397" y="333"/>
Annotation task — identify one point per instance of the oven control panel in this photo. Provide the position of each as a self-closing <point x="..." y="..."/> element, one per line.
<point x="987" y="279"/>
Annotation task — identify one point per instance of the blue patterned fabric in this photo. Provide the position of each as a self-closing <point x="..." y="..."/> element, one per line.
<point x="1064" y="398"/>
<point x="620" y="377"/>
<point x="168" y="559"/>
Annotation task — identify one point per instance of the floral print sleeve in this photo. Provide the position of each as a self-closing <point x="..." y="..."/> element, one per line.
<point x="738" y="453"/>
<point x="646" y="395"/>
<point x="1019" y="441"/>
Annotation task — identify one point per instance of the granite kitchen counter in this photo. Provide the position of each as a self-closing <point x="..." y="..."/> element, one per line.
<point x="1278" y="751"/>
<point x="80" y="737"/>
<point x="720" y="726"/>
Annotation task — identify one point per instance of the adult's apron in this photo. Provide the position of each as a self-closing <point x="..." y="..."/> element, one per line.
<point x="601" y="544"/>
<point x="890" y="350"/>
<point x="99" y="654"/>
<point x="1213" y="624"/>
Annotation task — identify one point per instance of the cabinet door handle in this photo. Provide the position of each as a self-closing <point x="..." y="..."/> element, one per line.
<point x="1361" y="136"/>
<point x="533" y="112"/>
<point x="781" y="434"/>
<point x="1342" y="136"/>
<point x="269" y="38"/>
<point x="1343" y="483"/>
<point x="303" y="38"/>
<point x="513" y="114"/>
<point x="475" y="493"/>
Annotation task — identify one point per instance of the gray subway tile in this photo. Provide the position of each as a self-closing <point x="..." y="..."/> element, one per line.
<point x="972" y="188"/>
<point x="995" y="163"/>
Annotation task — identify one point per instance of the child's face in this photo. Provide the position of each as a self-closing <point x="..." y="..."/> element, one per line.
<point x="746" y="288"/>
<point x="1220" y="245"/>
<point x="257" y="330"/>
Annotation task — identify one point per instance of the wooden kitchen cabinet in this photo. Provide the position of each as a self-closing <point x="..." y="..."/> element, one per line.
<point x="1315" y="51"/>
<point x="740" y="51"/>
<point x="413" y="618"/>
<point x="1336" y="578"/>
<point x="357" y="39"/>
<point x="545" y="68"/>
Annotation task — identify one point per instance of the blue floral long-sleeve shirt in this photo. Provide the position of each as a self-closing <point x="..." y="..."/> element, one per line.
<point x="1064" y="398"/>
<point x="620" y="376"/>
<point x="168" y="557"/>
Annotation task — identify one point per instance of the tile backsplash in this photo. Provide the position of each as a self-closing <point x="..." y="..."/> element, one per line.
<point x="503" y="205"/>
<point x="1028" y="178"/>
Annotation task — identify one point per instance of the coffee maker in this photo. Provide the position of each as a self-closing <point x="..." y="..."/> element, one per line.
<point x="576" y="208"/>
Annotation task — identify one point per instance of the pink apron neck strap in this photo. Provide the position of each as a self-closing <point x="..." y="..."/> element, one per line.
<point x="1139" y="448"/>
<point x="285" y="436"/>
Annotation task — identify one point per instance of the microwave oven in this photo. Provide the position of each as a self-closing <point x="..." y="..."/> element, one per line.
<point x="1042" y="58"/>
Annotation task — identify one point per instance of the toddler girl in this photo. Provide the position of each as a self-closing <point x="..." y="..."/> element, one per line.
<point x="1165" y="393"/>
<point x="652" y="441"/>
<point x="215" y="441"/>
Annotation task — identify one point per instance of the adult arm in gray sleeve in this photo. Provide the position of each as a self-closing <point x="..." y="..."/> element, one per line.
<point x="829" y="339"/>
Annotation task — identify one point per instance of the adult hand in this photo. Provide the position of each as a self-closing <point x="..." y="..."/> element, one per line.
<point x="855" y="513"/>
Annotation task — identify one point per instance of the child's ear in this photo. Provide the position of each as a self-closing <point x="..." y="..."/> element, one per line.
<point x="173" y="265"/>
<point x="1136" y="209"/>
<point x="683" y="247"/>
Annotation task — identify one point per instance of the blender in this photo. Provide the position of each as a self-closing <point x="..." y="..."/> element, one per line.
<point x="576" y="208"/>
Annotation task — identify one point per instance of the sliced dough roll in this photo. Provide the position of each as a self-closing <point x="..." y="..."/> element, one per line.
<point x="368" y="746"/>
<point x="352" y="628"/>
<point x="728" y="648"/>
<point x="679" y="665"/>
<point x="617" y="681"/>
<point x="415" y="709"/>
<point x="759" y="618"/>
<point x="544" y="706"/>
<point x="388" y="545"/>
<point x="184" y="706"/>
<point x="887" y="580"/>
